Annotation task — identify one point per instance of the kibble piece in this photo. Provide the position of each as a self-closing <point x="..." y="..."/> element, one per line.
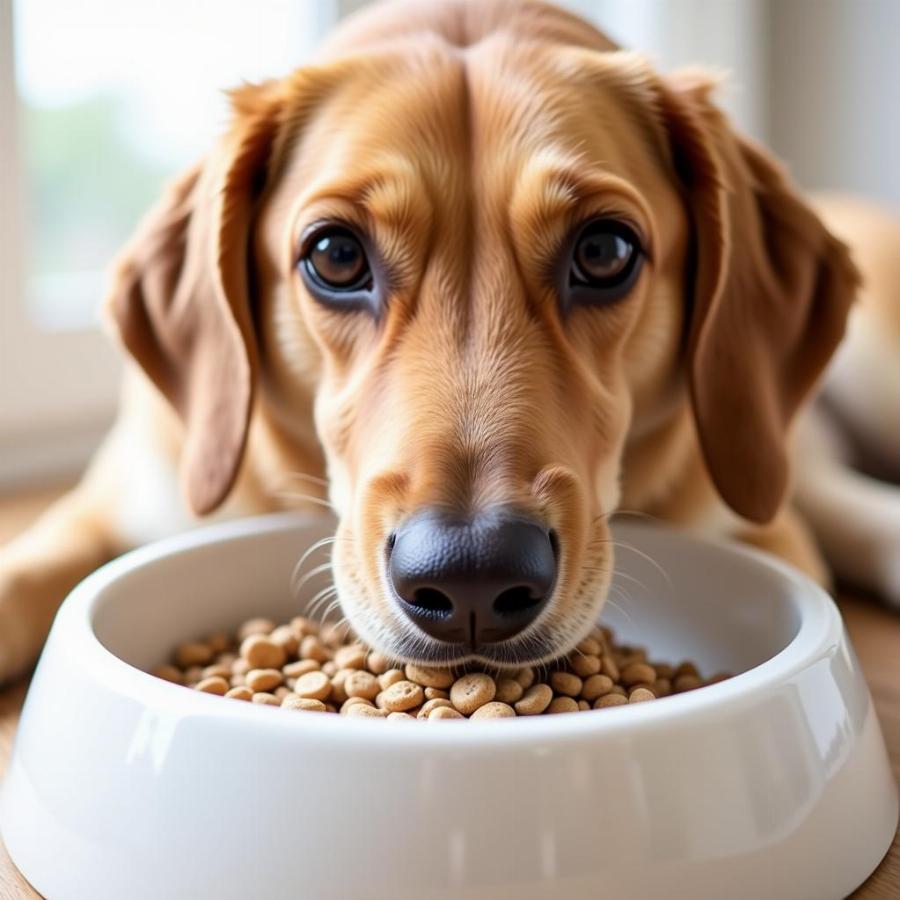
<point x="583" y="705"/>
<point x="193" y="654"/>
<point x="430" y="705"/>
<point x="214" y="685"/>
<point x="361" y="709"/>
<point x="338" y="691"/>
<point x="444" y="712"/>
<point x="664" y="670"/>
<point x="217" y="670"/>
<point x="240" y="666"/>
<point x="641" y="695"/>
<point x="266" y="699"/>
<point x="329" y="667"/>
<point x="286" y="638"/>
<point x="352" y="701"/>
<point x="493" y="710"/>
<point x="352" y="656"/>
<point x="589" y="647"/>
<point x="193" y="674"/>
<point x="584" y="665"/>
<point x="596" y="686"/>
<point x="237" y="680"/>
<point x="687" y="668"/>
<point x="391" y="676"/>
<point x="169" y="673"/>
<point x="508" y="690"/>
<point x="719" y="676"/>
<point x="313" y="685"/>
<point x="292" y="701"/>
<point x="281" y="692"/>
<point x="400" y="715"/>
<point x="435" y="693"/>
<point x="429" y="676"/>
<point x="536" y="699"/>
<point x="638" y="673"/>
<point x="360" y="683"/>
<point x="662" y="687"/>
<point x="262" y="653"/>
<point x="610" y="700"/>
<point x="255" y="626"/>
<point x="608" y="667"/>
<point x="401" y="696"/>
<point x="239" y="693"/>
<point x="686" y="682"/>
<point x="312" y="648"/>
<point x="261" y="680"/>
<point x="303" y="626"/>
<point x="562" y="705"/>
<point x="525" y="677"/>
<point x="566" y="683"/>
<point x="218" y="642"/>
<point x="471" y="691"/>
<point x="377" y="663"/>
<point x="301" y="667"/>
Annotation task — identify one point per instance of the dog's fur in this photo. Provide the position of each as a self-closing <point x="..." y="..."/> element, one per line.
<point x="466" y="140"/>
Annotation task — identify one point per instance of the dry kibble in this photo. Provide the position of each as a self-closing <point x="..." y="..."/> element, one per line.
<point x="471" y="691"/>
<point x="313" y="685"/>
<point x="214" y="685"/>
<point x="266" y="699"/>
<point x="493" y="710"/>
<point x="255" y="626"/>
<point x="562" y="705"/>
<point x="302" y="667"/>
<point x="535" y="700"/>
<point x="262" y="653"/>
<point x="566" y="683"/>
<point x="445" y="712"/>
<point x="239" y="693"/>
<point x="508" y="690"/>
<point x="193" y="654"/>
<point x="292" y="701"/>
<point x="261" y="680"/>
<point x="401" y="696"/>
<point x="429" y="676"/>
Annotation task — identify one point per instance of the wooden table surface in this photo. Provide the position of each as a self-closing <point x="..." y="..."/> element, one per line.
<point x="875" y="633"/>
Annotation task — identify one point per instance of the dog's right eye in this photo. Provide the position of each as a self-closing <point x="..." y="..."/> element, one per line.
<point x="335" y="262"/>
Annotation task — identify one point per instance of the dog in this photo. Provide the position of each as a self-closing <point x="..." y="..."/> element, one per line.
<point x="478" y="279"/>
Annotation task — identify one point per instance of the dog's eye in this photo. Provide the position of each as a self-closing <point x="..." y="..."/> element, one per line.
<point x="335" y="261"/>
<point x="606" y="259"/>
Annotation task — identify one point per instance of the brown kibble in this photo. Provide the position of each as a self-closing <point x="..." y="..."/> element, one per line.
<point x="589" y="647"/>
<point x="686" y="682"/>
<point x="214" y="685"/>
<point x="301" y="667"/>
<point x="562" y="705"/>
<point x="430" y="705"/>
<point x="281" y="692"/>
<point x="471" y="691"/>
<point x="169" y="673"/>
<point x="312" y="648"/>
<point x="218" y="642"/>
<point x="239" y="693"/>
<point x="240" y="666"/>
<point x="265" y="699"/>
<point x="360" y="683"/>
<point x="401" y="696"/>
<point x="608" y="667"/>
<point x="193" y="654"/>
<point x="400" y="715"/>
<point x="525" y="677"/>
<point x="329" y="667"/>
<point x="262" y="680"/>
<point x="262" y="653"/>
<point x="293" y="701"/>
<point x="352" y="656"/>
<point x="444" y="712"/>
<point x="687" y="668"/>
<point x="508" y="690"/>
<point x="377" y="663"/>
<point x="193" y="674"/>
<point x="641" y="695"/>
<point x="237" y="680"/>
<point x="435" y="693"/>
<point x="313" y="686"/>
<point x="596" y="686"/>
<point x="391" y="676"/>
<point x="303" y="626"/>
<point x="566" y="683"/>
<point x="584" y="705"/>
<point x="638" y="673"/>
<point x="610" y="700"/>
<point x="493" y="710"/>
<point x="718" y="677"/>
<point x="352" y="701"/>
<point x="255" y="626"/>
<point x="584" y="666"/>
<point x="662" y="687"/>
<point x="286" y="638"/>
<point x="664" y="670"/>
<point x="361" y="709"/>
<point x="536" y="699"/>
<point x="429" y="676"/>
<point x="217" y="671"/>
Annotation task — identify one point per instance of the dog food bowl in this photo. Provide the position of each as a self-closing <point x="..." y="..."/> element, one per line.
<point x="772" y="784"/>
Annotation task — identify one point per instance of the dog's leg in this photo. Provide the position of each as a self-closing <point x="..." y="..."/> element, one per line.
<point x="856" y="519"/>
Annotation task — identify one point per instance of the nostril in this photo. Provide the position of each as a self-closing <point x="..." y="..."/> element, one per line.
<point x="515" y="600"/>
<point x="433" y="602"/>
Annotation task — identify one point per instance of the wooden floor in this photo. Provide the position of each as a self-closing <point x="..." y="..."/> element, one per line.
<point x="875" y="633"/>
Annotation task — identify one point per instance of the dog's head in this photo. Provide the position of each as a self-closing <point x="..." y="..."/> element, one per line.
<point x="481" y="258"/>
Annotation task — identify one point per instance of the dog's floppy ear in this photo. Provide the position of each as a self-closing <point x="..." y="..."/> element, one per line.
<point x="179" y="298"/>
<point x="771" y="293"/>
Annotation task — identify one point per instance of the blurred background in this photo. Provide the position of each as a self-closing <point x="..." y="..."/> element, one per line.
<point x="102" y="101"/>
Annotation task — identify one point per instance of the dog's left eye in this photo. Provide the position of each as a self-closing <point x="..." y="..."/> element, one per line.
<point x="606" y="259"/>
<point x="335" y="262"/>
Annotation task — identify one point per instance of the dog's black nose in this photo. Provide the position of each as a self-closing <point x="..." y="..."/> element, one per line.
<point x="475" y="581"/>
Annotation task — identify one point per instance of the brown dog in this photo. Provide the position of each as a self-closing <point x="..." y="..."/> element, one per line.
<point x="494" y="279"/>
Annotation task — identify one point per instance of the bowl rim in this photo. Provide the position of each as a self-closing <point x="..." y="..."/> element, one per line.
<point x="818" y="635"/>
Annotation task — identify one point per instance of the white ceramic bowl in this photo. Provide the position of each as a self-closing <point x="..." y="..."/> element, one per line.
<point x="772" y="784"/>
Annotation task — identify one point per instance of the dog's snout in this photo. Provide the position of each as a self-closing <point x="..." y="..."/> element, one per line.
<point x="477" y="581"/>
